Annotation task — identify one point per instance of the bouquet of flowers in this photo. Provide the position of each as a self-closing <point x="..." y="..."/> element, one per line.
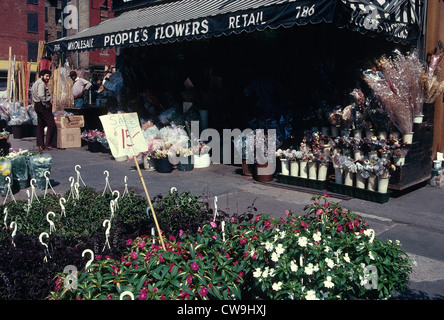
<point x="5" y="171"/>
<point x="19" y="163"/>
<point x="92" y="135"/>
<point x="38" y="164"/>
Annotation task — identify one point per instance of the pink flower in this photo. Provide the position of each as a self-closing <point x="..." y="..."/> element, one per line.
<point x="143" y="294"/>
<point x="203" y="291"/>
<point x="171" y="267"/>
<point x="172" y="238"/>
<point x="304" y="224"/>
<point x="180" y="233"/>
<point x="141" y="244"/>
<point x="134" y="255"/>
<point x="161" y="258"/>
<point x="287" y="212"/>
<point x="129" y="241"/>
<point x="335" y="212"/>
<point x="109" y="296"/>
<point x="243" y="240"/>
<point x="190" y="278"/>
<point x="319" y="212"/>
<point x="267" y="224"/>
<point x="339" y="228"/>
<point x="213" y="224"/>
<point x="194" y="266"/>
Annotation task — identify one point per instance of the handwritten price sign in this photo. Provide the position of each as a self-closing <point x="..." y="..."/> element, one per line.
<point x="123" y="133"/>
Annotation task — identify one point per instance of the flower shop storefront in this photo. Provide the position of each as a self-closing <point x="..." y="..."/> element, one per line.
<point x="337" y="102"/>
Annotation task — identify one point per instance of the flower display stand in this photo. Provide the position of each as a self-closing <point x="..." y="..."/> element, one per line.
<point x="302" y="182"/>
<point x="417" y="167"/>
<point x="360" y="193"/>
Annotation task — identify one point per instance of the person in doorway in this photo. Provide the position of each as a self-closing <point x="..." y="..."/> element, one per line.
<point x="79" y="87"/>
<point x="43" y="107"/>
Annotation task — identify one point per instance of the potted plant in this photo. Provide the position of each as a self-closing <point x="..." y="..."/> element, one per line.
<point x="185" y="159"/>
<point x="38" y="164"/>
<point x="19" y="164"/>
<point x="92" y="139"/>
<point x="5" y="172"/>
<point x="201" y="155"/>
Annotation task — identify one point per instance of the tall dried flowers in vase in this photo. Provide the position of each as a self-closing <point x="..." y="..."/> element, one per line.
<point x="433" y="87"/>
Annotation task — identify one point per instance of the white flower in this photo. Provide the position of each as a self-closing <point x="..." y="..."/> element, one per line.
<point x="328" y="283"/>
<point x="272" y="272"/>
<point x="329" y="262"/>
<point x="311" y="295"/>
<point x="370" y="254"/>
<point x="265" y="273"/>
<point x="309" y="269"/>
<point x="316" y="268"/>
<point x="317" y="236"/>
<point x="268" y="246"/>
<point x="282" y="234"/>
<point x="302" y="241"/>
<point x="280" y="249"/>
<point x="257" y="273"/>
<point x="347" y="258"/>
<point x="274" y="257"/>
<point x="277" y="286"/>
<point x="293" y="266"/>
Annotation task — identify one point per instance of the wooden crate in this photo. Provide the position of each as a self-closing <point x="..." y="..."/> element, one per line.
<point x="75" y="121"/>
<point x="68" y="138"/>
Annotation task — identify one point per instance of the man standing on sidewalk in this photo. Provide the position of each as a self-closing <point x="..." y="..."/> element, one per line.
<point x="79" y="86"/>
<point x="43" y="107"/>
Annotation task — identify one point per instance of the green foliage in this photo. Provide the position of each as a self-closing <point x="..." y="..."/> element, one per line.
<point x="329" y="253"/>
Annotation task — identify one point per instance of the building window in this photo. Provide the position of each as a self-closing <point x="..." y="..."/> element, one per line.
<point x="33" y="48"/>
<point x="103" y="13"/>
<point x="33" y="22"/>
<point x="33" y="1"/>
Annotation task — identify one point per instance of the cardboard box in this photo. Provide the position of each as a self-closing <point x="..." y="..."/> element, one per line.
<point x="68" y="138"/>
<point x="69" y="122"/>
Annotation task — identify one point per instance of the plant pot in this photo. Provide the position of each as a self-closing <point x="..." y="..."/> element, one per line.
<point x="104" y="149"/>
<point x="407" y="137"/>
<point x="372" y="184"/>
<point x="264" y="172"/>
<point x="437" y="164"/>
<point x="418" y="118"/>
<point x="383" y="184"/>
<point x="303" y="169"/>
<point x="312" y="170"/>
<point x="285" y="167"/>
<point x="360" y="181"/>
<point x="121" y="158"/>
<point x="348" y="178"/>
<point x="18" y="131"/>
<point x="149" y="164"/>
<point x="294" y="168"/>
<point x="94" y="146"/>
<point x="338" y="175"/>
<point x="185" y="164"/>
<point x="202" y="161"/>
<point x="399" y="161"/>
<point x="324" y="131"/>
<point x="322" y="172"/>
<point x="163" y="165"/>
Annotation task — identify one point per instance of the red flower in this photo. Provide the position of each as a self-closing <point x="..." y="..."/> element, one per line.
<point x="339" y="228"/>
<point x="194" y="266"/>
<point x="267" y="224"/>
<point x="243" y="240"/>
<point x="141" y="244"/>
<point x="171" y="267"/>
<point x="319" y="212"/>
<point x="129" y="241"/>
<point x="203" y="291"/>
<point x="161" y="258"/>
<point x="190" y="278"/>
<point x="304" y="224"/>
<point x="134" y="255"/>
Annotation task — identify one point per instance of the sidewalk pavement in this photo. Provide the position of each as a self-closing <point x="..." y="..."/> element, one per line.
<point x="416" y="219"/>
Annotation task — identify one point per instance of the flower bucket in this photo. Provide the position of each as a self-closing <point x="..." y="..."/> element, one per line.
<point x="38" y="164"/>
<point x="357" y="154"/>
<point x="303" y="167"/>
<point x="348" y="178"/>
<point x="312" y="170"/>
<point x="407" y="137"/>
<point x="121" y="158"/>
<point x="372" y="184"/>
<point x="264" y="172"/>
<point x="94" y="146"/>
<point x="383" y="183"/>
<point x="18" y="131"/>
<point x="437" y="164"/>
<point x="294" y="168"/>
<point x="246" y="168"/>
<point x="163" y="165"/>
<point x="418" y="118"/>
<point x="19" y="169"/>
<point x="185" y="164"/>
<point x="399" y="161"/>
<point x="338" y="175"/>
<point x="324" y="131"/>
<point x="322" y="172"/>
<point x="285" y="167"/>
<point x="357" y="133"/>
<point x="202" y="161"/>
<point x="148" y="163"/>
<point x="334" y="131"/>
<point x="360" y="181"/>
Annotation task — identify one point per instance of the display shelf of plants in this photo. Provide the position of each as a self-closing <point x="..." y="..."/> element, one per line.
<point x="380" y="141"/>
<point x="81" y="249"/>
